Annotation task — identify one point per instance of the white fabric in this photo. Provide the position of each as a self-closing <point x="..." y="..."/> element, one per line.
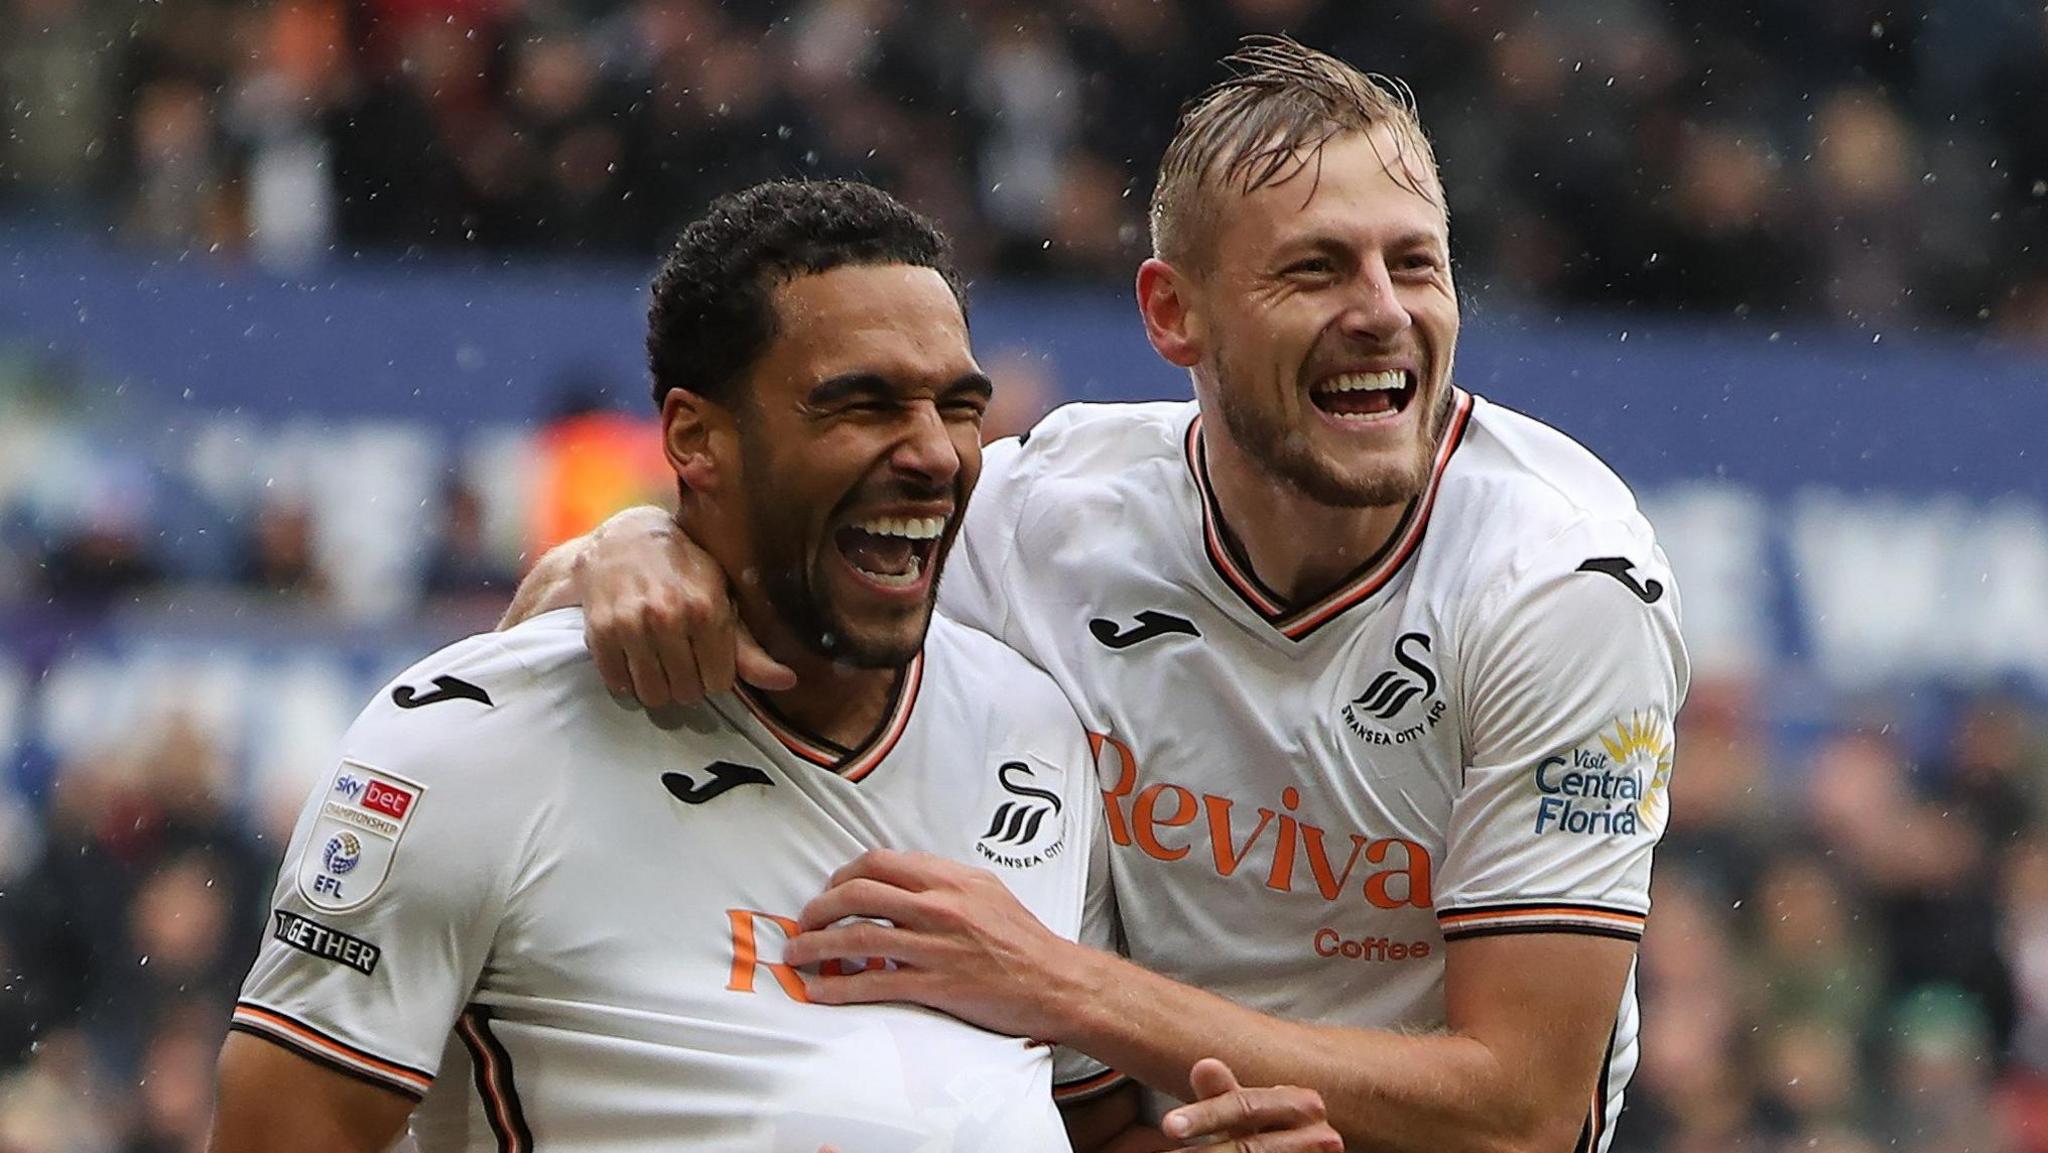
<point x="555" y="914"/>
<point x="1473" y="736"/>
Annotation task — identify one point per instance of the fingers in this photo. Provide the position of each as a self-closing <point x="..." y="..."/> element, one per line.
<point x="716" y="664"/>
<point x="867" y="987"/>
<point x="861" y="897"/>
<point x="856" y="940"/>
<point x="625" y="644"/>
<point x="646" y="677"/>
<point x="757" y="668"/>
<point x="659" y="619"/>
<point x="1212" y="1078"/>
<point x="916" y="872"/>
<point x="1267" y="1119"/>
<point x="612" y="664"/>
<point x="663" y="645"/>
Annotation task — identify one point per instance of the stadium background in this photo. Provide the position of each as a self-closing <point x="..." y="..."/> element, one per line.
<point x="316" y="316"/>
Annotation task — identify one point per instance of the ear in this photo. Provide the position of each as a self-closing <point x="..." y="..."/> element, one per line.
<point x="1171" y="324"/>
<point x="696" y="436"/>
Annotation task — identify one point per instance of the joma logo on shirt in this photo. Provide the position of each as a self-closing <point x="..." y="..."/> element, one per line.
<point x="1396" y="871"/>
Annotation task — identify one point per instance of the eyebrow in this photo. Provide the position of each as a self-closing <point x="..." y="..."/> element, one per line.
<point x="1420" y="238"/>
<point x="976" y="383"/>
<point x="1327" y="242"/>
<point x="873" y="386"/>
<point x="847" y="386"/>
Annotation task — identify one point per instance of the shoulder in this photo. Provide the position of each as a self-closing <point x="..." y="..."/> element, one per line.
<point x="1536" y="474"/>
<point x="1081" y="471"/>
<point x="1140" y="427"/>
<point x="1079" y="441"/>
<point x="966" y="662"/>
<point x="491" y="698"/>
<point x="1524" y="499"/>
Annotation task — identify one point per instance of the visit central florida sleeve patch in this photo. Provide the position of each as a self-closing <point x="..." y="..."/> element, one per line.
<point x="364" y="813"/>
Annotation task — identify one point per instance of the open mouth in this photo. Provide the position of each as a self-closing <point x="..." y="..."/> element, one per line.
<point x="894" y="552"/>
<point x="1365" y="396"/>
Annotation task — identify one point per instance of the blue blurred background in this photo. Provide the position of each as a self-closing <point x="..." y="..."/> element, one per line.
<point x="320" y="318"/>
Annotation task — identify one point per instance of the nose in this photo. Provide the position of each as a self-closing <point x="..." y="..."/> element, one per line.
<point x="1376" y="310"/>
<point x="925" y="449"/>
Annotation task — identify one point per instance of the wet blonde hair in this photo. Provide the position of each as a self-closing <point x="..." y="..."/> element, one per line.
<point x="1282" y="103"/>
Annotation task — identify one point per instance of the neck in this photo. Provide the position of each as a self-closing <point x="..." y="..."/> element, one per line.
<point x="832" y="699"/>
<point x="1297" y="547"/>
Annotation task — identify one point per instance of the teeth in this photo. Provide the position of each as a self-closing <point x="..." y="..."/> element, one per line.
<point x="895" y="580"/>
<point x="1366" y="382"/>
<point x="911" y="527"/>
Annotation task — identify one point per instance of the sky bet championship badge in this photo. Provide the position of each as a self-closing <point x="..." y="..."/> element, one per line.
<point x="363" y="813"/>
<point x="1616" y="785"/>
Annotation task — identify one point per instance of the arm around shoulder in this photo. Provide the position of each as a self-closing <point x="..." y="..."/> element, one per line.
<point x="658" y="614"/>
<point x="552" y="583"/>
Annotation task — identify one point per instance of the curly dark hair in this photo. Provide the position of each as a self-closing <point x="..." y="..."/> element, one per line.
<point x="712" y="315"/>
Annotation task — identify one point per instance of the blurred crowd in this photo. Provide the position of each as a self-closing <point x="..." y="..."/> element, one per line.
<point x="1849" y="950"/>
<point x="1867" y="161"/>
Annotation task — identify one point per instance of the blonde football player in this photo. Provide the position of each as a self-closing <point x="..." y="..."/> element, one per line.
<point x="1380" y="675"/>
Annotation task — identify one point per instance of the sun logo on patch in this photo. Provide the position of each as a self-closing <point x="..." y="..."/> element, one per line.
<point x="1641" y="744"/>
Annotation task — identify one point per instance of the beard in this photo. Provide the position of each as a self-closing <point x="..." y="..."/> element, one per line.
<point x="1286" y="454"/>
<point x="795" y="580"/>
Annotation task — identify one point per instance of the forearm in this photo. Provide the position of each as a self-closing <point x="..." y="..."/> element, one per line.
<point x="552" y="584"/>
<point x="1387" y="1092"/>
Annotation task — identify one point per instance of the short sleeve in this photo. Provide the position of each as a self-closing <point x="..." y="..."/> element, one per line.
<point x="1573" y="672"/>
<point x="387" y="902"/>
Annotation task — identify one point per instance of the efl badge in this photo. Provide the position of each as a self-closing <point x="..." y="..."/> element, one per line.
<point x="363" y="813"/>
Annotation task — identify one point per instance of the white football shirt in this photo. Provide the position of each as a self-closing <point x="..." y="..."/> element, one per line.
<point x="1472" y="735"/>
<point x="558" y="924"/>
